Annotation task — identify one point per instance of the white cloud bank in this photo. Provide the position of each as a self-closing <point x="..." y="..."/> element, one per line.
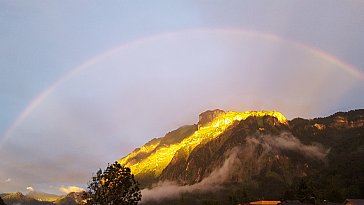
<point x="70" y="189"/>
<point x="287" y="141"/>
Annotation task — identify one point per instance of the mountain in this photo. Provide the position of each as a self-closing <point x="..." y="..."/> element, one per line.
<point x="72" y="198"/>
<point x="40" y="198"/>
<point x="19" y="198"/>
<point x="234" y="157"/>
<point x="149" y="161"/>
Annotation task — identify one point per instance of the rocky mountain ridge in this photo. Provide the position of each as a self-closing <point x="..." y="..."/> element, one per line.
<point x="149" y="161"/>
<point x="40" y="198"/>
<point x="272" y="155"/>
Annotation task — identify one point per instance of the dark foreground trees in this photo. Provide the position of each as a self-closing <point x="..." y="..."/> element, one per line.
<point x="2" y="202"/>
<point x="114" y="186"/>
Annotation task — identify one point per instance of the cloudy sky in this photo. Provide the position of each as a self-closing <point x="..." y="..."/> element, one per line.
<point x="83" y="83"/>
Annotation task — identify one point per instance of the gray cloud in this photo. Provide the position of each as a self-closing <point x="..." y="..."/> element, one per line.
<point x="287" y="141"/>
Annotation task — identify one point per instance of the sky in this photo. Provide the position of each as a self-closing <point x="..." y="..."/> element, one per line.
<point x="83" y="83"/>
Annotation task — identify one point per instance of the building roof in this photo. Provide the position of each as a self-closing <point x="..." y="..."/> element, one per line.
<point x="264" y="202"/>
<point x="355" y="201"/>
<point x="294" y="202"/>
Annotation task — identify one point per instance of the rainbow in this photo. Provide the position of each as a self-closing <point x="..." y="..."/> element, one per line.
<point x="355" y="72"/>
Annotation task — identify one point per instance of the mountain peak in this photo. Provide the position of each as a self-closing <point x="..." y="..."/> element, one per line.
<point x="208" y="116"/>
<point x="151" y="159"/>
<point x="18" y="194"/>
<point x="260" y="151"/>
<point x="219" y="118"/>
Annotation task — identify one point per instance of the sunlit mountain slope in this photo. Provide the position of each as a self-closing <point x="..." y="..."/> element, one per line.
<point x="268" y="157"/>
<point x="154" y="157"/>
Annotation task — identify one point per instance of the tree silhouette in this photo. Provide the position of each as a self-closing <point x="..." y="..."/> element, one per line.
<point x="2" y="202"/>
<point x="114" y="186"/>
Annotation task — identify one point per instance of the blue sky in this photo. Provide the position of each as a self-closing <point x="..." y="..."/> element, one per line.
<point x="113" y="75"/>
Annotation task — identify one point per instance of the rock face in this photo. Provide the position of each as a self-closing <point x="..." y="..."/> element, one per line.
<point x="208" y="116"/>
<point x="149" y="161"/>
<point x="271" y="156"/>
